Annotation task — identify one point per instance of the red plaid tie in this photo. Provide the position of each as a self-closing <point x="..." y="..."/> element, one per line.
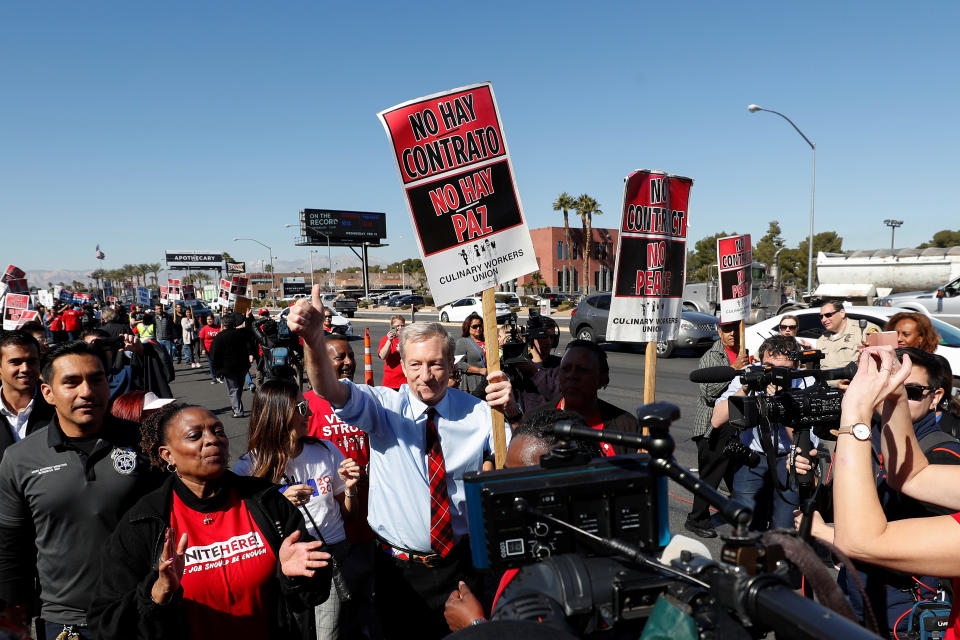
<point x="441" y="527"/>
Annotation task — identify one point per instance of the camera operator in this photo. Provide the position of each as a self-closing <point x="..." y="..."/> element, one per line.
<point x="755" y="478"/>
<point x="712" y="464"/>
<point x="889" y="591"/>
<point x="535" y="372"/>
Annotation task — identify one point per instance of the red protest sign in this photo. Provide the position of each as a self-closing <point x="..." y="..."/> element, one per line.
<point x="455" y="167"/>
<point x="734" y="257"/>
<point x="12" y="273"/>
<point x="651" y="257"/>
<point x="14" y="306"/>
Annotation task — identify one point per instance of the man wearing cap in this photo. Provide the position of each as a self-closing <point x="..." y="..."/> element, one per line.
<point x="712" y="465"/>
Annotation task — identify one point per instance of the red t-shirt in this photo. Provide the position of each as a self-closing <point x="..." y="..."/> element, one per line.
<point x="227" y="570"/>
<point x="731" y="354"/>
<point x="392" y="373"/>
<point x="71" y="319"/>
<point x="353" y="443"/>
<point x="207" y="334"/>
<point x="596" y="422"/>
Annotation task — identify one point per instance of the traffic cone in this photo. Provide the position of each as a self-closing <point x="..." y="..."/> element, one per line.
<point x="367" y="358"/>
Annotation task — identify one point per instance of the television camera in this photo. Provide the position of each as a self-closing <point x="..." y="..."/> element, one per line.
<point x="583" y="535"/>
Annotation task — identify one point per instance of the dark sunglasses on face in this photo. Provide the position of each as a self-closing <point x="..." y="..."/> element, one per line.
<point x="784" y="327"/>
<point x="829" y="314"/>
<point x="916" y="392"/>
<point x="303" y="407"/>
<point x="476" y="326"/>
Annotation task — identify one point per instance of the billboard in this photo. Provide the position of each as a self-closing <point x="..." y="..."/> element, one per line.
<point x="194" y="259"/>
<point x="343" y="227"/>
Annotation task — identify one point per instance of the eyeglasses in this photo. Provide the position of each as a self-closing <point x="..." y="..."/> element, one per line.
<point x="784" y="327"/>
<point x="303" y="407"/>
<point x="476" y="326"/>
<point x="828" y="314"/>
<point x="916" y="392"/>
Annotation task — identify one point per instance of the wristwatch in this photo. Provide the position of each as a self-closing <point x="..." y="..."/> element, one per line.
<point x="860" y="431"/>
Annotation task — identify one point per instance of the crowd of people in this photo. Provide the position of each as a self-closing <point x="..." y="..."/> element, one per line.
<point x="122" y="517"/>
<point x="756" y="462"/>
<point x="344" y="514"/>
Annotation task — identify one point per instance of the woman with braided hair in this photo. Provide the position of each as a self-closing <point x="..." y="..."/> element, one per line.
<point x="208" y="550"/>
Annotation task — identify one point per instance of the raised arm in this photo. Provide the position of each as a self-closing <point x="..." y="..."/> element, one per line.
<point x="924" y="545"/>
<point x="306" y="320"/>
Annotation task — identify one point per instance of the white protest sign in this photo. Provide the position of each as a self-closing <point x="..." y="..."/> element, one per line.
<point x="455" y="167"/>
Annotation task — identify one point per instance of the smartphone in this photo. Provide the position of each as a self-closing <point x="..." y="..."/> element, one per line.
<point x="882" y="338"/>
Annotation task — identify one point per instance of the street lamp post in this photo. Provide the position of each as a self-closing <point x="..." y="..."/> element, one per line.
<point x="893" y="224"/>
<point x="329" y="260"/>
<point x="273" y="277"/>
<point x="813" y="184"/>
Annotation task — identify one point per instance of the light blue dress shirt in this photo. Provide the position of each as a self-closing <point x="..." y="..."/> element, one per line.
<point x="396" y="422"/>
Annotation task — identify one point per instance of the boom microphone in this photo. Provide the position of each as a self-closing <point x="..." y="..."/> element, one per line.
<point x="840" y="373"/>
<point x="713" y="374"/>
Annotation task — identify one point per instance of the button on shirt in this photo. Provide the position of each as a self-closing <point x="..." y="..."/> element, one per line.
<point x="17" y="420"/>
<point x="751" y="437"/>
<point x="396" y="422"/>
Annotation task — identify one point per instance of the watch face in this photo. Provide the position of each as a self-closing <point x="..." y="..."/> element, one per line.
<point x="861" y="431"/>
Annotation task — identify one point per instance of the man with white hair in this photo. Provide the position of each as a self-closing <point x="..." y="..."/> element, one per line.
<point x="423" y="438"/>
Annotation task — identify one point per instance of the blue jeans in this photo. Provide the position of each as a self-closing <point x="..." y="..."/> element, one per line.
<point x="168" y="347"/>
<point x="753" y="486"/>
<point x="210" y="367"/>
<point x="186" y="352"/>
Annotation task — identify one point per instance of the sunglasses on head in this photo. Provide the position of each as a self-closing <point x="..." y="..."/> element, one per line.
<point x="303" y="407"/>
<point x="784" y="327"/>
<point x="829" y="314"/>
<point x="916" y="392"/>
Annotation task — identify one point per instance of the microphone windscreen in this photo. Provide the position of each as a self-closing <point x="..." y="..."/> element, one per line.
<point x="713" y="374"/>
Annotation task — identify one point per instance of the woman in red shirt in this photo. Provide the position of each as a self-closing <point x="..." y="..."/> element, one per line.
<point x="389" y="352"/>
<point x="208" y="551"/>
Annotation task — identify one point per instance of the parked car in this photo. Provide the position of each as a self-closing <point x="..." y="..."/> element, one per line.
<point x="943" y="302"/>
<point x="340" y="323"/>
<point x="555" y="298"/>
<point x="459" y="310"/>
<point x="589" y="322"/>
<point x="507" y="297"/>
<point x="406" y="301"/>
<point x="811" y="329"/>
<point x="341" y="303"/>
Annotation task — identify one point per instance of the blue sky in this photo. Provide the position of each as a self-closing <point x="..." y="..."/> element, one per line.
<point x="152" y="126"/>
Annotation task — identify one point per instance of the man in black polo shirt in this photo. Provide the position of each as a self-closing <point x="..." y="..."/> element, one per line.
<point x="66" y="485"/>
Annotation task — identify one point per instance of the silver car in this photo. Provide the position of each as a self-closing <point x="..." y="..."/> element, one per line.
<point x="589" y="322"/>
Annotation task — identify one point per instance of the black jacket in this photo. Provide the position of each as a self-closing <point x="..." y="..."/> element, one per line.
<point x="41" y="415"/>
<point x="122" y="607"/>
<point x="614" y="418"/>
<point x="231" y="351"/>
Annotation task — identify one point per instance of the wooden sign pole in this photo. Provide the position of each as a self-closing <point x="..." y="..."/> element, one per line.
<point x="493" y="364"/>
<point x="743" y="346"/>
<point x="650" y="374"/>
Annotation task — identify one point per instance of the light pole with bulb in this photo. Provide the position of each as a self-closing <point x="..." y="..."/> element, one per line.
<point x="893" y="224"/>
<point x="273" y="277"/>
<point x="813" y="184"/>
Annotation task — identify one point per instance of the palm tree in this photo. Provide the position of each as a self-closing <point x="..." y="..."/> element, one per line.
<point x="99" y="275"/>
<point x="154" y="268"/>
<point x="564" y="203"/>
<point x="587" y="207"/>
